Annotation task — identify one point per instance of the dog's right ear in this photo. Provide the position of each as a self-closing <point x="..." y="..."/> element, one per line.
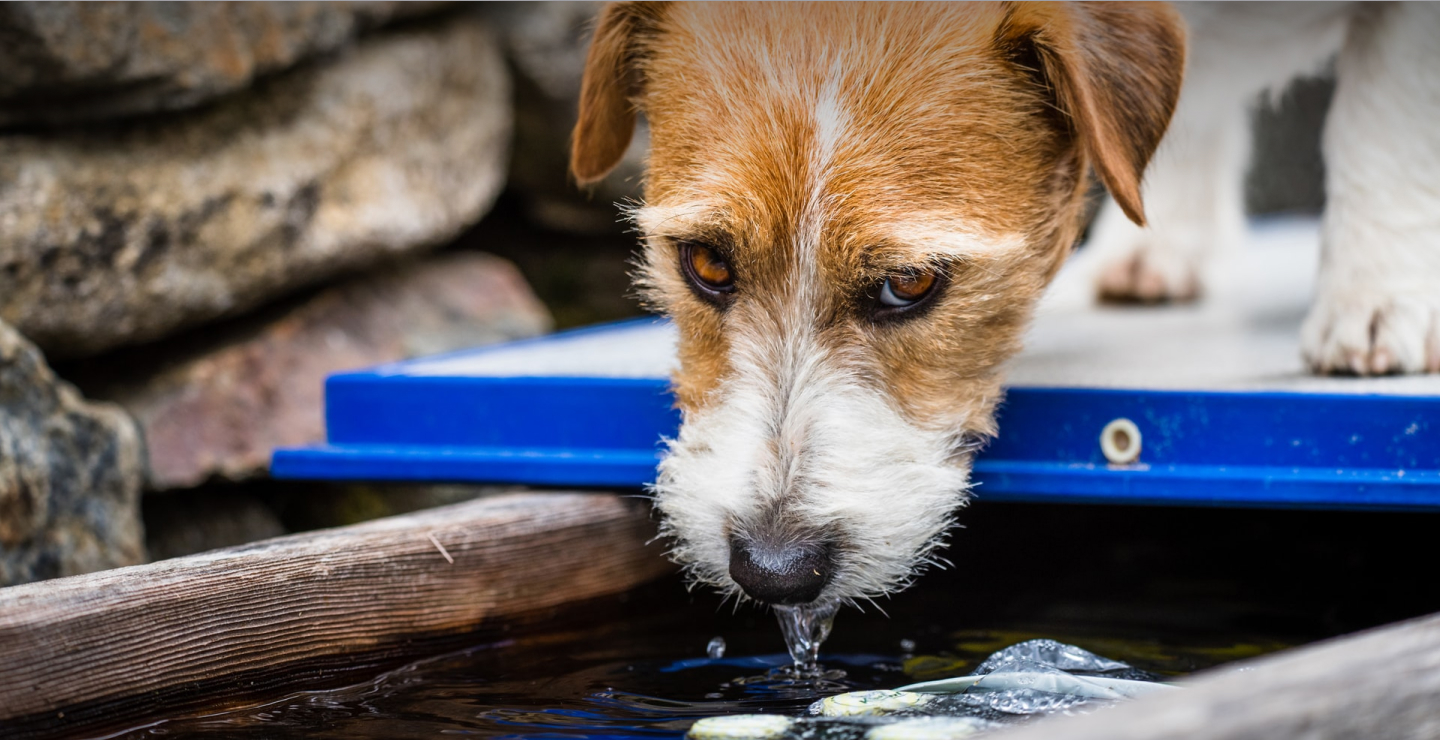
<point x="610" y="89"/>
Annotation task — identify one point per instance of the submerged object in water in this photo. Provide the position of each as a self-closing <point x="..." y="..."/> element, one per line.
<point x="1086" y="687"/>
<point x="863" y="703"/>
<point x="1031" y="678"/>
<point x="929" y="728"/>
<point x="741" y="726"/>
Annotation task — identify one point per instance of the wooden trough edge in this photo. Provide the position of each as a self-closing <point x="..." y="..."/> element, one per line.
<point x="189" y="620"/>
<point x="1377" y="685"/>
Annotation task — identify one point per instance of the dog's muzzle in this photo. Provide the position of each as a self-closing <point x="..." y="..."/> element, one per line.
<point x="788" y="574"/>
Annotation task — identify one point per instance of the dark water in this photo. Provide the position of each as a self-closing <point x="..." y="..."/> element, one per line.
<point x="1167" y="590"/>
<point x="645" y="678"/>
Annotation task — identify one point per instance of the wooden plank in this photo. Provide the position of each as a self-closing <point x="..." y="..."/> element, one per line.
<point x="1376" y="685"/>
<point x="307" y="596"/>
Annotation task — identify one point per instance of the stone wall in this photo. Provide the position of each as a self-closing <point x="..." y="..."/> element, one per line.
<point x="81" y="61"/>
<point x="125" y="232"/>
<point x="204" y="210"/>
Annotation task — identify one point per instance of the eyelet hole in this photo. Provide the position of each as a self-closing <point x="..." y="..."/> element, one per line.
<point x="1120" y="441"/>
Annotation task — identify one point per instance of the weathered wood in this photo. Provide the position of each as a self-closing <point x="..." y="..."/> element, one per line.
<point x="1378" y="685"/>
<point x="308" y="596"/>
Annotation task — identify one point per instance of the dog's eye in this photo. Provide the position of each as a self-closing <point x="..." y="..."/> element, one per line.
<point x="905" y="289"/>
<point x="707" y="271"/>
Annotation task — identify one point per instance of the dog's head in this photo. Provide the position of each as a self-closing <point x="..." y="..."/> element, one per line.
<point x="850" y="211"/>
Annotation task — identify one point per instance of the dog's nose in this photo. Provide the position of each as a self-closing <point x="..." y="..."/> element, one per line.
<point x="786" y="575"/>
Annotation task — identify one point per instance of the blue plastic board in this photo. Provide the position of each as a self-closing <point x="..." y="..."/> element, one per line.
<point x="423" y="422"/>
<point x="1227" y="414"/>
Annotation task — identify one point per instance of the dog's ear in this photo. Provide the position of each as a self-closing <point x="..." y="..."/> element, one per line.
<point x="1114" y="71"/>
<point x="610" y="89"/>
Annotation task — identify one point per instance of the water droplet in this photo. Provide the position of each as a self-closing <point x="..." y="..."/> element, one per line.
<point x="805" y="628"/>
<point x="907" y="646"/>
<point x="716" y="648"/>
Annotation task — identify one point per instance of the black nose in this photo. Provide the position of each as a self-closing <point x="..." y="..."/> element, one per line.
<point x="787" y="575"/>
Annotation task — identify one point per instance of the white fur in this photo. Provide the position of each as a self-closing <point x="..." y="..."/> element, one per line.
<point x="1378" y="307"/>
<point x="795" y="442"/>
<point x="928" y="236"/>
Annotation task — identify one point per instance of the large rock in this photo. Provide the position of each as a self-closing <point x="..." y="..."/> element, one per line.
<point x="70" y="474"/>
<point x="219" y="408"/>
<point x="68" y="61"/>
<point x="546" y="44"/>
<point x="123" y="234"/>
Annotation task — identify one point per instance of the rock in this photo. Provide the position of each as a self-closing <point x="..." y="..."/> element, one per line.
<point x="546" y="44"/>
<point x="221" y="406"/>
<point x="70" y="474"/>
<point x="125" y="233"/>
<point x="72" y="61"/>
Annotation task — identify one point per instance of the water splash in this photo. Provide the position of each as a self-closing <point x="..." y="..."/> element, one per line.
<point x="805" y="627"/>
<point x="716" y="649"/>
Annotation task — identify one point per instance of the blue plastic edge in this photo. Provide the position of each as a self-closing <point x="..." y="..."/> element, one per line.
<point x="1200" y="447"/>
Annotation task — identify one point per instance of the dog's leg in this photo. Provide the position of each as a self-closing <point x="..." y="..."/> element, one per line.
<point x="1377" y="307"/>
<point x="1194" y="196"/>
<point x="1193" y="202"/>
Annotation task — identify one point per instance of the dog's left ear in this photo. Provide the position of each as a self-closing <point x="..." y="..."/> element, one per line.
<point x="610" y="89"/>
<point x="1114" y="70"/>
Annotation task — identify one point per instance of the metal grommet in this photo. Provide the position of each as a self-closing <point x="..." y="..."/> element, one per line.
<point x="1120" y="441"/>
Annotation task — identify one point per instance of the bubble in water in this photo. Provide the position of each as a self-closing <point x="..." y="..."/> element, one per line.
<point x="716" y="648"/>
<point x="1050" y="653"/>
<point x="805" y="627"/>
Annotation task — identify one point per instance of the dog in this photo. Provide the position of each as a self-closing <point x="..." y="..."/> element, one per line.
<point x="849" y="212"/>
<point x="1377" y="306"/>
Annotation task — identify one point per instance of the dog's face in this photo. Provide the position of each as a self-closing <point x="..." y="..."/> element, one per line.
<point x="850" y="211"/>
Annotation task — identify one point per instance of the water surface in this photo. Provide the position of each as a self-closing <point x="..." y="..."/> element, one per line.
<point x="1169" y="591"/>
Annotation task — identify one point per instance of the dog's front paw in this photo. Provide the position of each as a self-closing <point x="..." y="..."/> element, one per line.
<point x="1148" y="275"/>
<point x="1373" y="332"/>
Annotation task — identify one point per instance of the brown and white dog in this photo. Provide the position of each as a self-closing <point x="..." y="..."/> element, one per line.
<point x="850" y="212"/>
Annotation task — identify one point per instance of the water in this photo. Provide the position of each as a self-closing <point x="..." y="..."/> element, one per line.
<point x="647" y="669"/>
<point x="568" y="689"/>
<point x="1165" y="591"/>
<point x="805" y="629"/>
